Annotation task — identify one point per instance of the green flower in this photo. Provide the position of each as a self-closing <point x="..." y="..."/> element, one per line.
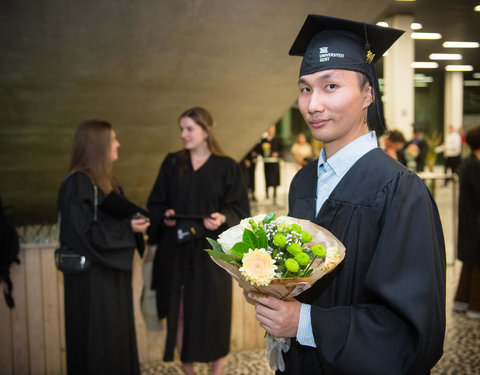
<point x="279" y="240"/>
<point x="319" y="250"/>
<point x="281" y="228"/>
<point x="302" y="258"/>
<point x="292" y="265"/>
<point x="294" y="227"/>
<point x="306" y="237"/>
<point x="294" y="249"/>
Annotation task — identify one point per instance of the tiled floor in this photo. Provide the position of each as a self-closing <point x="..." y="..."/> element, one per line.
<point x="462" y="342"/>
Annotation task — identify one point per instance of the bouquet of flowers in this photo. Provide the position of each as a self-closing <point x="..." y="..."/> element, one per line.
<point x="280" y="257"/>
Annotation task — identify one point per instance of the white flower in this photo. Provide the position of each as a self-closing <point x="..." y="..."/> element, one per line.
<point x="245" y="222"/>
<point x="230" y="237"/>
<point x="332" y="258"/>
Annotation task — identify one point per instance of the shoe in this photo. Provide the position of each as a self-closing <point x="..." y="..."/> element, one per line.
<point x="473" y="314"/>
<point x="460" y="307"/>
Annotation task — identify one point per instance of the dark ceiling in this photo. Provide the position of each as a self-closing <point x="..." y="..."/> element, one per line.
<point x="456" y="20"/>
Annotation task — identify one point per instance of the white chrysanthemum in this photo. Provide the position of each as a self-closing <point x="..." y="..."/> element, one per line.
<point x="258" y="267"/>
<point x="230" y="237"/>
<point x="331" y="259"/>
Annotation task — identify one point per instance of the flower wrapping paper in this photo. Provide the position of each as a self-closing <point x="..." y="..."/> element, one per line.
<point x="287" y="288"/>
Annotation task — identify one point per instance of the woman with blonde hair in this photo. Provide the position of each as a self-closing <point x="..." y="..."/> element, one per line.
<point x="99" y="321"/>
<point x="198" y="187"/>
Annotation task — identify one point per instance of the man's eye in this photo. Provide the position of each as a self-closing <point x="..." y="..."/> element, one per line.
<point x="304" y="89"/>
<point x="331" y="86"/>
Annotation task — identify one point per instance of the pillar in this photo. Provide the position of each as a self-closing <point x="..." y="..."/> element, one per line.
<point x="399" y="87"/>
<point x="453" y="100"/>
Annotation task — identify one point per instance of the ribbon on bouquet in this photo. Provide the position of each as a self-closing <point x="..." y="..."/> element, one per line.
<point x="275" y="347"/>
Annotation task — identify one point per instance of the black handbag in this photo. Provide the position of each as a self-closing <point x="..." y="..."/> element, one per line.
<point x="68" y="260"/>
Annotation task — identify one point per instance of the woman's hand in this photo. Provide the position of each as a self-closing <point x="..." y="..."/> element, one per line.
<point x="167" y="222"/>
<point x="214" y="221"/>
<point x="139" y="225"/>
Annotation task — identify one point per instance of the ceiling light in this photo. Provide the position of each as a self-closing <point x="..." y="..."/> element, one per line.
<point x="461" y="44"/>
<point x="424" y="65"/>
<point x="382" y="23"/>
<point x="445" y="56"/>
<point x="420" y="84"/>
<point x="426" y="36"/>
<point x="476" y="75"/>
<point x="477" y="8"/>
<point x="416" y="26"/>
<point x="459" y="68"/>
<point x="420" y="77"/>
<point x="471" y="83"/>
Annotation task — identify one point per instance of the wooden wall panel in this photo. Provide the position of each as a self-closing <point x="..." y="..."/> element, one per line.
<point x="19" y="318"/>
<point x="51" y="320"/>
<point x="33" y="341"/>
<point x="35" y="318"/>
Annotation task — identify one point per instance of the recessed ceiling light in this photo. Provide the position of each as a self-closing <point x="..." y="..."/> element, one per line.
<point x="416" y="26"/>
<point x="476" y="75"/>
<point x="426" y="36"/>
<point x="459" y="68"/>
<point x="477" y="8"/>
<point x="471" y="83"/>
<point x="424" y="65"/>
<point x="382" y="23"/>
<point x="461" y="44"/>
<point x="445" y="56"/>
<point x="420" y="77"/>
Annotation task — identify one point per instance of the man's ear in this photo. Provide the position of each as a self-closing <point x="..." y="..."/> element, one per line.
<point x="369" y="95"/>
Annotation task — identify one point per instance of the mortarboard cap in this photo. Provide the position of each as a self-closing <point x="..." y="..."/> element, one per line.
<point x="336" y="43"/>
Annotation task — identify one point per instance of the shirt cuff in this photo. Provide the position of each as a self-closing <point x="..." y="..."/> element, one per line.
<point x="304" y="331"/>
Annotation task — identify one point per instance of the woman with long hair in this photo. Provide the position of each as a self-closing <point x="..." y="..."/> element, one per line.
<point x="198" y="187"/>
<point x="99" y="321"/>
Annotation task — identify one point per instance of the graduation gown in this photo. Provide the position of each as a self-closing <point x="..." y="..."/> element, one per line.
<point x="382" y="310"/>
<point x="272" y="168"/>
<point x="99" y="320"/>
<point x="217" y="186"/>
<point x="469" y="212"/>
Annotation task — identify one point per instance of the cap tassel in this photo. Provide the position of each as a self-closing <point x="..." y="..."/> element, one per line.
<point x="370" y="55"/>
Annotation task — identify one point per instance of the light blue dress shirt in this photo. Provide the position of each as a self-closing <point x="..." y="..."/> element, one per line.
<point x="330" y="172"/>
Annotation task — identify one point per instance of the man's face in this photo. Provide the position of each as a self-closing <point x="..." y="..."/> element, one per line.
<point x="334" y="106"/>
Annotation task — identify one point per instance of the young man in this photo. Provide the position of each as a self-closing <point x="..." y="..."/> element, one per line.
<point x="382" y="310"/>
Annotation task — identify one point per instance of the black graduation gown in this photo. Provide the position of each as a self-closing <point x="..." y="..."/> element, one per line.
<point x="217" y="186"/>
<point x="272" y="169"/>
<point x="469" y="212"/>
<point x="99" y="320"/>
<point x="382" y="310"/>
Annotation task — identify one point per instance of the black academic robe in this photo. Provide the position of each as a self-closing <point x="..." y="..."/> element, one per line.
<point x="382" y="310"/>
<point x="99" y="320"/>
<point x="272" y="169"/>
<point x="469" y="212"/>
<point x="217" y="186"/>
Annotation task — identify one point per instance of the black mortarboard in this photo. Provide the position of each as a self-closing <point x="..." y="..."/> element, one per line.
<point x="336" y="43"/>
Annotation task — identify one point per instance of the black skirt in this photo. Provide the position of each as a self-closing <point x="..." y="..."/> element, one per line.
<point x="99" y="322"/>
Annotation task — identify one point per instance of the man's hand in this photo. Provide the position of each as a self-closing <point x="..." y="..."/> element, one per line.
<point x="277" y="317"/>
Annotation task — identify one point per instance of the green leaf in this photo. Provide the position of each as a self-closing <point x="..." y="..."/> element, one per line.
<point x="221" y="256"/>
<point x="215" y="245"/>
<point x="262" y="238"/>
<point x="269" y="217"/>
<point x="250" y="239"/>
<point x="239" y="249"/>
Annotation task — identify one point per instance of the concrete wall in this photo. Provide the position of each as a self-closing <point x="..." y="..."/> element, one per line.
<point x="139" y="64"/>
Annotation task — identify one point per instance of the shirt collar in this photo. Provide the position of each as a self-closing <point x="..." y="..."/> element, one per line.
<point x="344" y="158"/>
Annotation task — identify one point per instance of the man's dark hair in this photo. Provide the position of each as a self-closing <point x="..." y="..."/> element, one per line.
<point x="473" y="137"/>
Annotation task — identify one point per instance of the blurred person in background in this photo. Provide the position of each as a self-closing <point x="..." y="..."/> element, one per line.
<point x="302" y="151"/>
<point x="99" y="320"/>
<point x="200" y="187"/>
<point x="467" y="297"/>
